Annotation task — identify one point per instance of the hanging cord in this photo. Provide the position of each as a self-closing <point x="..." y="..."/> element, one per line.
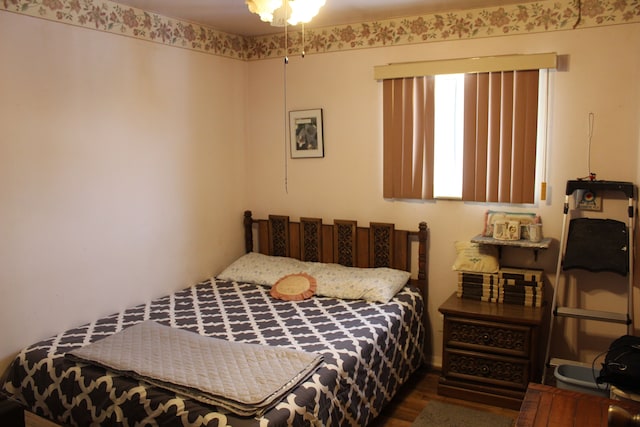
<point x="303" y="41"/>
<point x="591" y="117"/>
<point x="593" y="371"/>
<point x="592" y="175"/>
<point x="286" y="61"/>
<point x="543" y="185"/>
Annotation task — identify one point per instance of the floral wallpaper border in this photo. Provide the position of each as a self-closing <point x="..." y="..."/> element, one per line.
<point x="524" y="18"/>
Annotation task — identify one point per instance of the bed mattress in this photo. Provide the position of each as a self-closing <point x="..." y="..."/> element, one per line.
<point x="369" y="350"/>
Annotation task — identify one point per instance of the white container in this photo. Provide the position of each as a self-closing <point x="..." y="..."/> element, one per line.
<point x="506" y="230"/>
<point x="579" y="378"/>
<point x="534" y="232"/>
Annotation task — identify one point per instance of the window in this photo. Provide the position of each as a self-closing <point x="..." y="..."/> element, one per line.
<point x="448" y="138"/>
<point x="470" y="136"/>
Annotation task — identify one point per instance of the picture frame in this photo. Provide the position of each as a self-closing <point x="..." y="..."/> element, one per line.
<point x="588" y="200"/>
<point x="306" y="136"/>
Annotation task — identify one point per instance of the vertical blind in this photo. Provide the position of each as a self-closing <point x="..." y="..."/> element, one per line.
<point x="408" y="137"/>
<point x="501" y="112"/>
<point x="500" y="134"/>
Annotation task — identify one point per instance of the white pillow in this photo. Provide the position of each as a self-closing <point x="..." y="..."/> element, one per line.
<point x="333" y="280"/>
<point x="262" y="269"/>
<point x="369" y="284"/>
<point x="476" y="257"/>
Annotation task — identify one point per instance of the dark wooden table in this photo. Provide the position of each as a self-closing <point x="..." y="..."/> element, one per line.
<point x="546" y="406"/>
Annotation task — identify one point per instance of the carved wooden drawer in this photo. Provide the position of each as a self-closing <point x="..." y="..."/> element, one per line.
<point x="487" y="336"/>
<point x="491" y="351"/>
<point x="487" y="368"/>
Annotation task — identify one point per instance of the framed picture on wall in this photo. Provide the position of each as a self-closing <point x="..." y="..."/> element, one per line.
<point x="306" y="136"/>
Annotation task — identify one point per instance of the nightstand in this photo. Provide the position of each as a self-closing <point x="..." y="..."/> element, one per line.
<point x="491" y="351"/>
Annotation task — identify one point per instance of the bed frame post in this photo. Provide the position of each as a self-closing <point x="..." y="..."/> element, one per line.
<point x="422" y="253"/>
<point x="423" y="282"/>
<point x="248" y="232"/>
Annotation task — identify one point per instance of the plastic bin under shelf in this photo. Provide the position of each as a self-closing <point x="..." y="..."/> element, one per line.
<point x="579" y="378"/>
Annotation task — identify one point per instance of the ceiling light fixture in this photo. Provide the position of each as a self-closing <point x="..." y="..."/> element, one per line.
<point x="282" y="12"/>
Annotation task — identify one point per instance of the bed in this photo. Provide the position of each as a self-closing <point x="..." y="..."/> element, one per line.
<point x="363" y="348"/>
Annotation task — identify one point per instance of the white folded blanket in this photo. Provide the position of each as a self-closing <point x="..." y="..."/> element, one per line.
<point x="246" y="379"/>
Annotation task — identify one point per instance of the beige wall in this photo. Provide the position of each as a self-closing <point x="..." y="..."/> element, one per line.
<point x="121" y="177"/>
<point x="599" y="74"/>
<point x="126" y="164"/>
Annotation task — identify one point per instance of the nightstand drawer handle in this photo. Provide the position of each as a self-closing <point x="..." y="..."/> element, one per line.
<point x="484" y="369"/>
<point x="486" y="339"/>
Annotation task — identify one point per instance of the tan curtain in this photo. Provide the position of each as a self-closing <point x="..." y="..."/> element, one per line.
<point x="408" y="137"/>
<point x="501" y="113"/>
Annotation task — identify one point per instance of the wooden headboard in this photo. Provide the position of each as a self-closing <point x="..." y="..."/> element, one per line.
<point x="343" y="242"/>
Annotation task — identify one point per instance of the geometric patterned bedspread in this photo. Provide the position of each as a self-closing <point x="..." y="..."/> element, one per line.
<point x="369" y="351"/>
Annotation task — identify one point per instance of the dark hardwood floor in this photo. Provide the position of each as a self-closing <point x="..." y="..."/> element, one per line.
<point x="415" y="394"/>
